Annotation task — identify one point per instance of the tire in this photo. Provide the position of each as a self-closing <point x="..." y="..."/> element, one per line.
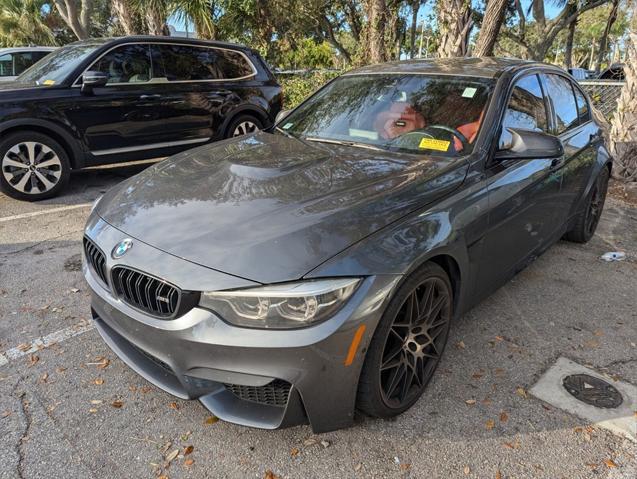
<point x="243" y="125"/>
<point x="418" y="361"/>
<point x="31" y="149"/>
<point x="586" y="222"/>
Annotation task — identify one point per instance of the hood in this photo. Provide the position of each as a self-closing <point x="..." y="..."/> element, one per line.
<point x="9" y="86"/>
<point x="270" y="208"/>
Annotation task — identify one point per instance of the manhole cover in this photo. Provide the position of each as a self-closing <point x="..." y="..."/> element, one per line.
<point x="592" y="390"/>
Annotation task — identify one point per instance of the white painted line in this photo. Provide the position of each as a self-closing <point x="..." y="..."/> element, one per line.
<point x="44" y="212"/>
<point x="620" y="420"/>
<point x="43" y="342"/>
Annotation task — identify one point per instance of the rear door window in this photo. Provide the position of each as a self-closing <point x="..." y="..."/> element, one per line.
<point x="560" y="94"/>
<point x="126" y="64"/>
<point x="526" y="108"/>
<point x="6" y="65"/>
<point x="582" y="106"/>
<point x="192" y="63"/>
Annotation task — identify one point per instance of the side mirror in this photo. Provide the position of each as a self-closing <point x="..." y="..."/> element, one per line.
<point x="282" y="114"/>
<point x="519" y="144"/>
<point x="92" y="80"/>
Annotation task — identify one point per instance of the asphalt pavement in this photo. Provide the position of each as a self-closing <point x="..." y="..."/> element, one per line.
<point x="70" y="408"/>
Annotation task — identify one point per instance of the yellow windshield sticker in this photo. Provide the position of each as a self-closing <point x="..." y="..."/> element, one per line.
<point x="48" y="82"/>
<point x="433" y="144"/>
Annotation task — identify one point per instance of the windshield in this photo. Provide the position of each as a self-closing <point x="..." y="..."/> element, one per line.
<point x="56" y="67"/>
<point x="412" y="113"/>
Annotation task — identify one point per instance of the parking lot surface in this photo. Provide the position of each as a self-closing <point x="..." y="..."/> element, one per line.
<point x="70" y="408"/>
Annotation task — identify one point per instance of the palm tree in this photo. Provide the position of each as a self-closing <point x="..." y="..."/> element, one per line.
<point x="200" y="12"/>
<point x="623" y="131"/>
<point x="491" y="23"/>
<point x="22" y="23"/>
<point x="455" y="24"/>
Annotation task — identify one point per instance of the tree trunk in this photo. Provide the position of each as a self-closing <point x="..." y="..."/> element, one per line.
<point x="156" y="23"/>
<point x="76" y="17"/>
<point x="603" y="42"/>
<point x="415" y="7"/>
<point x="454" y="24"/>
<point x="568" y="52"/>
<point x="623" y="133"/>
<point x="375" y="31"/>
<point x="125" y="16"/>
<point x="491" y="23"/>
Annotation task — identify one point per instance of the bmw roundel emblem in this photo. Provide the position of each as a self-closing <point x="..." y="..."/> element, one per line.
<point x="121" y="248"/>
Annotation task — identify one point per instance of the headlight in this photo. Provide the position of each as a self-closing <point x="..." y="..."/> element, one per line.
<point x="281" y="306"/>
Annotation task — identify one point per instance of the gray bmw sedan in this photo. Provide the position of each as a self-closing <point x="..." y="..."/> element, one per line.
<point x="303" y="273"/>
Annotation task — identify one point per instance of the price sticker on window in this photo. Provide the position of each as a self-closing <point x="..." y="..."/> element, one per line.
<point x="433" y="144"/>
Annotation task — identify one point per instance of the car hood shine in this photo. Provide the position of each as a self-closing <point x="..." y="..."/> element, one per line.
<point x="271" y="208"/>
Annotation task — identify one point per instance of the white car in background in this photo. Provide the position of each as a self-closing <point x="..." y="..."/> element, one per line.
<point x="15" y="60"/>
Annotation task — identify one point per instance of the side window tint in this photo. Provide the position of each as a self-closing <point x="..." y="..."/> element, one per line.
<point x="6" y="65"/>
<point x="126" y="64"/>
<point x="582" y="106"/>
<point x="186" y="63"/>
<point x="560" y="93"/>
<point x="234" y="64"/>
<point x="22" y="62"/>
<point x="526" y="108"/>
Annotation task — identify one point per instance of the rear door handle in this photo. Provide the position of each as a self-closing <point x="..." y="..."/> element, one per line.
<point x="150" y="97"/>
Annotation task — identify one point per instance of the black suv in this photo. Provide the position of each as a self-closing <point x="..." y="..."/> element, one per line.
<point x="111" y="100"/>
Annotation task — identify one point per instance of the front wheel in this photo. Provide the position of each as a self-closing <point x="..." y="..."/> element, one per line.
<point x="33" y="166"/>
<point x="586" y="222"/>
<point x="408" y="344"/>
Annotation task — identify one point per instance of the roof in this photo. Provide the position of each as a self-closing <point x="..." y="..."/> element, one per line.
<point x="486" y="67"/>
<point x="27" y="49"/>
<point x="158" y="39"/>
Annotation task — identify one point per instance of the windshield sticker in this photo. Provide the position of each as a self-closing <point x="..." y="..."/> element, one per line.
<point x="371" y="135"/>
<point x="469" y="92"/>
<point x="287" y="126"/>
<point x="433" y="144"/>
<point x="48" y="82"/>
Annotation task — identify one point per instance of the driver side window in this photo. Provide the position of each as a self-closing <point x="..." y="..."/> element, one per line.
<point x="126" y="64"/>
<point x="526" y="108"/>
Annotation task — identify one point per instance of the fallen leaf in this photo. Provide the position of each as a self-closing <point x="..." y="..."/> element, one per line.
<point x="189" y="462"/>
<point x="294" y="451"/>
<point x="188" y="450"/>
<point x="498" y="474"/>
<point x="477" y="375"/>
<point x="309" y="442"/>
<point x="172" y="455"/>
<point x="44" y="377"/>
<point x="211" y="420"/>
<point x="521" y="392"/>
<point x="610" y="463"/>
<point x="460" y="345"/>
<point x="23" y="347"/>
<point x="490" y="424"/>
<point x="103" y="364"/>
<point x="499" y="338"/>
<point x="499" y="371"/>
<point x="466" y="470"/>
<point x="358" y="467"/>
<point x="5" y="414"/>
<point x="163" y="476"/>
<point x="325" y="443"/>
<point x="270" y="475"/>
<point x="405" y="466"/>
<point x="117" y="404"/>
<point x="173" y="405"/>
<point x="504" y="417"/>
<point x="96" y="401"/>
<point x="470" y="402"/>
<point x="92" y="410"/>
<point x="98" y="381"/>
<point x="164" y="449"/>
<point x="33" y="359"/>
<point x="60" y="370"/>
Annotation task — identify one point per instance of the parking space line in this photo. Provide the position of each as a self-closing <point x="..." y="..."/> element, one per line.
<point x="44" y="212"/>
<point x="43" y="342"/>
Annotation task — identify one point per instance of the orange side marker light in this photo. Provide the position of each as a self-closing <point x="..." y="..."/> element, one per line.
<point x="353" y="347"/>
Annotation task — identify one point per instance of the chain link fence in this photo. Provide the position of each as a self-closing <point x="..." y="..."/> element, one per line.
<point x="604" y="94"/>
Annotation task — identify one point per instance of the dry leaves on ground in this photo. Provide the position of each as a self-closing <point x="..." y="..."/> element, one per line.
<point x="211" y="420"/>
<point x="172" y="455"/>
<point x="470" y="402"/>
<point x="610" y="463"/>
<point x="33" y="359"/>
<point x="117" y="404"/>
<point x="294" y="452"/>
<point x="173" y="405"/>
<point x="521" y="392"/>
<point x="490" y="424"/>
<point x="460" y="345"/>
<point x="270" y="475"/>
<point x="504" y="417"/>
<point x="98" y="381"/>
<point x="188" y="450"/>
<point x="189" y="462"/>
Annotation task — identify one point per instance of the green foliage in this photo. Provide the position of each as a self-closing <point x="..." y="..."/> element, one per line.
<point x="22" y="22"/>
<point x="308" y="54"/>
<point x="297" y="88"/>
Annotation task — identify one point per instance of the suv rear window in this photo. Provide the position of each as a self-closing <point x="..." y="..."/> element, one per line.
<point x="192" y="63"/>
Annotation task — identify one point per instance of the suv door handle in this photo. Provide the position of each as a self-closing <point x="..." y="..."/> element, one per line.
<point x="150" y="97"/>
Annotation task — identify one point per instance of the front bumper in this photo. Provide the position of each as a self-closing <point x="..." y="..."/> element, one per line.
<point x="260" y="378"/>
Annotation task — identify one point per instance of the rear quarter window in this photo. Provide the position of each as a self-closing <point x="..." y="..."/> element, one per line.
<point x="582" y="106"/>
<point x="193" y="63"/>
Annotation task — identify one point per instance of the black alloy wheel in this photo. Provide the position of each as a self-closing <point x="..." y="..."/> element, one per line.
<point x="408" y="344"/>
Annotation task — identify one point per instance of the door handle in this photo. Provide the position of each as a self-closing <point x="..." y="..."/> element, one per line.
<point x="150" y="97"/>
<point x="556" y="164"/>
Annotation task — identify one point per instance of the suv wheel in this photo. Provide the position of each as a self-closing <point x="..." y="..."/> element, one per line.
<point x="408" y="344"/>
<point x="244" y="125"/>
<point x="33" y="166"/>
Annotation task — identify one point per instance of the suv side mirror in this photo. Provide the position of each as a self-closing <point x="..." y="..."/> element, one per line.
<point x="282" y="114"/>
<point x="92" y="80"/>
<point x="519" y="144"/>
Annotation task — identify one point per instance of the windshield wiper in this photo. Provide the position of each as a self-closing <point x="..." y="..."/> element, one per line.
<point x="286" y="133"/>
<point x="343" y="142"/>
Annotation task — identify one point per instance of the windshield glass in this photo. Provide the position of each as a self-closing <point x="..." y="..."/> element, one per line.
<point x="412" y="113"/>
<point x="56" y="67"/>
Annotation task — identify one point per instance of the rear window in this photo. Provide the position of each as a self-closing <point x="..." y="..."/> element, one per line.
<point x="191" y="63"/>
